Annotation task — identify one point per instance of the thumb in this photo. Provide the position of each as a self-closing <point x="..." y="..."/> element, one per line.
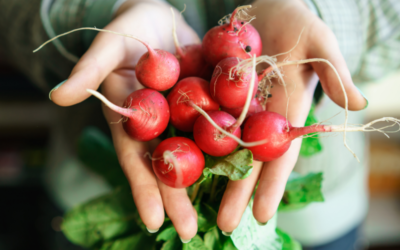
<point x="103" y="56"/>
<point x="326" y="47"/>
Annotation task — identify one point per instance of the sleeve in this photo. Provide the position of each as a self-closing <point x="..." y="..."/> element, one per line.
<point x="25" y="25"/>
<point x="368" y="33"/>
<point x="60" y="16"/>
<point x="21" y="32"/>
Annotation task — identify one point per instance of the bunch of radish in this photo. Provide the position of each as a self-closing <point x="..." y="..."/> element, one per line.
<point x="214" y="93"/>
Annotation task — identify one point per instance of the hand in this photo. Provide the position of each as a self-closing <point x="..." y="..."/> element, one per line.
<point x="111" y="59"/>
<point x="279" y="24"/>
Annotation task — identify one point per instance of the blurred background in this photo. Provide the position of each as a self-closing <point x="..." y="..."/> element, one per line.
<point x="30" y="214"/>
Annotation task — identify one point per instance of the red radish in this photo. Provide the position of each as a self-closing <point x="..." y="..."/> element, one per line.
<point x="255" y="107"/>
<point x="212" y="141"/>
<point x="279" y="133"/>
<point x="270" y="126"/>
<point x="234" y="39"/>
<point x="228" y="86"/>
<point x="156" y="69"/>
<point x="146" y="113"/>
<point x="178" y="162"/>
<point x="190" y="57"/>
<point x="183" y="115"/>
<point x="217" y="133"/>
<point x="192" y="63"/>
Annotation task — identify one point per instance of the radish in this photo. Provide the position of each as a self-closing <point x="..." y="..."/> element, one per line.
<point x="233" y="39"/>
<point x="228" y="86"/>
<point x="267" y="134"/>
<point x="146" y="114"/>
<point x="209" y="139"/>
<point x="192" y="63"/>
<point x="190" y="57"/>
<point x="278" y="133"/>
<point x="178" y="162"/>
<point x="255" y="107"/>
<point x="157" y="69"/>
<point x="217" y="132"/>
<point x="183" y="116"/>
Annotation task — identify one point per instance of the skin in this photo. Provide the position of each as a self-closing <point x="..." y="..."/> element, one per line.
<point x="279" y="24"/>
<point x="110" y="60"/>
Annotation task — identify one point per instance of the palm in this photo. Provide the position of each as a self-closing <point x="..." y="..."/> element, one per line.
<point x="111" y="59"/>
<point x="280" y="24"/>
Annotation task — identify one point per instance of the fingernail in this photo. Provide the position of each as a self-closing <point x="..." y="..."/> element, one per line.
<point x="227" y="233"/>
<point x="366" y="99"/>
<point x="55" y="88"/>
<point x="152" y="230"/>
<point x="185" y="241"/>
<point x="262" y="224"/>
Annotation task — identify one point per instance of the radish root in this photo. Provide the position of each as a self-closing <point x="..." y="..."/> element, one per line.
<point x="176" y="41"/>
<point x="246" y="107"/>
<point x="96" y="29"/>
<point x="369" y="126"/>
<point x="123" y="111"/>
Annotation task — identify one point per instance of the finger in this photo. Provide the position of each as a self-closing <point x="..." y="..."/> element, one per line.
<point x="236" y="197"/>
<point x="180" y="210"/>
<point x="103" y="56"/>
<point x="138" y="171"/>
<point x="273" y="178"/>
<point x="301" y="84"/>
<point x="327" y="47"/>
<point x="131" y="155"/>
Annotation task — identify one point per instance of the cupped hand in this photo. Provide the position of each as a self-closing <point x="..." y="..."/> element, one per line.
<point x="110" y="61"/>
<point x="280" y="24"/>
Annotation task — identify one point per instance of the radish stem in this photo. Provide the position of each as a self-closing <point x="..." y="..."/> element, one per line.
<point x="213" y="188"/>
<point x="233" y="16"/>
<point x="195" y="191"/>
<point x="123" y="111"/>
<point x="176" y="41"/>
<point x="246" y="107"/>
<point x="151" y="51"/>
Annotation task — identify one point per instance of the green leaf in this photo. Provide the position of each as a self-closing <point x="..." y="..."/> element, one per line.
<point x="228" y="245"/>
<point x="205" y="176"/>
<point x="311" y="145"/>
<point x="97" y="152"/>
<point x="212" y="239"/>
<point x="102" y="219"/>
<point x="172" y="244"/>
<point x="235" y="165"/>
<point x="170" y="236"/>
<point x="167" y="234"/>
<point x="206" y="217"/>
<point x="195" y="244"/>
<point x="251" y="236"/>
<point x="206" y="185"/>
<point x="134" y="242"/>
<point x="288" y="243"/>
<point x="301" y="191"/>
